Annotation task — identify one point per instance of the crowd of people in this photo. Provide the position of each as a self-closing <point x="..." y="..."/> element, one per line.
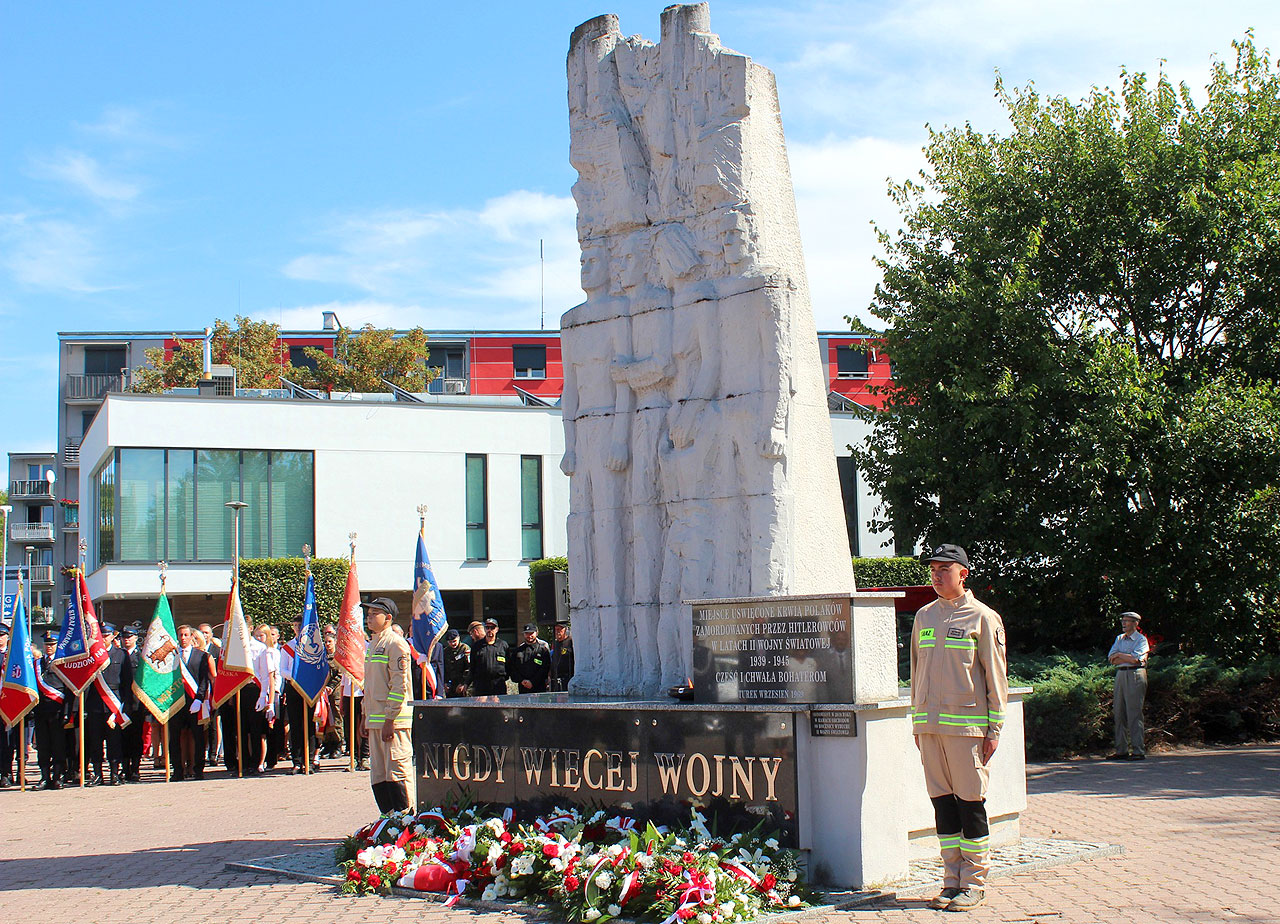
<point x="277" y="727"/>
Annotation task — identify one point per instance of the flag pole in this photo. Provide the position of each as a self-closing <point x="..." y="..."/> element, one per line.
<point x="22" y="755"/>
<point x="80" y="701"/>
<point x="352" y="736"/>
<point x="308" y="710"/>
<point x="164" y="726"/>
<point x="426" y="655"/>
<point x="80" y="696"/>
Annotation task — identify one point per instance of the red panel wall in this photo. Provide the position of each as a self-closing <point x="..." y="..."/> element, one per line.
<point x="861" y="391"/>
<point x="492" y="371"/>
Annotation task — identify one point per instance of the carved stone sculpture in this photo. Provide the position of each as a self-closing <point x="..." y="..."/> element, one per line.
<point x="696" y="428"/>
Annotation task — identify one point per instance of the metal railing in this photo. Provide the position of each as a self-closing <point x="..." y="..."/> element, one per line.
<point x="94" y="385"/>
<point x="38" y="488"/>
<point x="31" y="532"/>
<point x="41" y="574"/>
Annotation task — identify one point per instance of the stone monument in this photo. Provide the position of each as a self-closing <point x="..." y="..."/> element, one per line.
<point x="697" y="434"/>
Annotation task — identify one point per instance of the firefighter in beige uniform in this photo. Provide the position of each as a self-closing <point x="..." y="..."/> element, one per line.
<point x="388" y="711"/>
<point x="959" y="690"/>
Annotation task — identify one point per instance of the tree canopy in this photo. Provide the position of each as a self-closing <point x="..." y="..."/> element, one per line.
<point x="1083" y="315"/>
<point x="361" y="361"/>
<point x="253" y="347"/>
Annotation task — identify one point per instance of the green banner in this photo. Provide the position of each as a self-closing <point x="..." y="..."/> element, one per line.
<point x="158" y="681"/>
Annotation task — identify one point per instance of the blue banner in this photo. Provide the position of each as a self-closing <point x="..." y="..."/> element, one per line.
<point x="310" y="663"/>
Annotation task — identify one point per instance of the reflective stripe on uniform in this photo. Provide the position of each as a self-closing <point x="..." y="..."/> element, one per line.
<point x="946" y="841"/>
<point x="976" y="845"/>
<point x="968" y="644"/>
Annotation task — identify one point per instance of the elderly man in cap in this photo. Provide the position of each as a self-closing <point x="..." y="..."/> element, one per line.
<point x="959" y="690"/>
<point x="1129" y="655"/>
<point x="489" y="663"/>
<point x="388" y="707"/>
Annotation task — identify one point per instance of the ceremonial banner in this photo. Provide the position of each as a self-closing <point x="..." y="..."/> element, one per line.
<point x="19" y="694"/>
<point x="348" y="651"/>
<point x="429" y="622"/>
<point x="310" y="664"/>
<point x="158" y="682"/>
<point x="81" y="652"/>
<point x="234" y="668"/>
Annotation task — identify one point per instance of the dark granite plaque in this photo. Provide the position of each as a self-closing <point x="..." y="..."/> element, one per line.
<point x="464" y="754"/>
<point x="779" y="650"/>
<point x="833" y="723"/>
<point x="739" y="766"/>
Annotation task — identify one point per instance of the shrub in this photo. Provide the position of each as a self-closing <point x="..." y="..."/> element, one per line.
<point x="271" y="589"/>
<point x="890" y="572"/>
<point x="1190" y="701"/>
<point x="546" y="564"/>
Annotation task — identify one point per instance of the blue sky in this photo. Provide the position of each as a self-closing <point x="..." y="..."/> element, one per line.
<point x="165" y="164"/>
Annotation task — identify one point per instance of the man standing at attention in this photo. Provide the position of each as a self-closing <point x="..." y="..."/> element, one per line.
<point x="1129" y="655"/>
<point x="959" y="691"/>
<point x="388" y="710"/>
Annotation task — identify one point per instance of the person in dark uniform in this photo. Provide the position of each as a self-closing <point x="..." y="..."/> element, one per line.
<point x="489" y="663"/>
<point x="131" y="736"/>
<point x="561" y="657"/>
<point x="50" y="715"/>
<point x="457" y="664"/>
<point x="531" y="665"/>
<point x="100" y="725"/>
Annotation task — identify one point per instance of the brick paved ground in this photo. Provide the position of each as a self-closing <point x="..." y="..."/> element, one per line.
<point x="1202" y="831"/>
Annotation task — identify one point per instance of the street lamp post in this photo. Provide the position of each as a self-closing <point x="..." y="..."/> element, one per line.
<point x="30" y="551"/>
<point x="5" y="510"/>
<point x="236" y="507"/>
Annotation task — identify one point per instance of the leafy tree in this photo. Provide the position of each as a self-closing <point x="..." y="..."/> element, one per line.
<point x="361" y="361"/>
<point x="1083" y="316"/>
<point x="254" y="348"/>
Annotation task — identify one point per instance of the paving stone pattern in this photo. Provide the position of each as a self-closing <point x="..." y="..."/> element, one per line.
<point x="1200" y="832"/>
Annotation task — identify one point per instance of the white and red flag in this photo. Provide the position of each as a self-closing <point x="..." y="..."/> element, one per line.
<point x="235" y="668"/>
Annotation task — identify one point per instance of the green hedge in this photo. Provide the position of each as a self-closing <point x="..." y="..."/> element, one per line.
<point x="1190" y="700"/>
<point x="546" y="564"/>
<point x="271" y="589"/>
<point x="890" y="572"/>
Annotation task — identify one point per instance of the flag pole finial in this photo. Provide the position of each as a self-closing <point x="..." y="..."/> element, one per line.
<point x="306" y="557"/>
<point x="422" y="516"/>
<point x="164" y="573"/>
<point x="352" y="537"/>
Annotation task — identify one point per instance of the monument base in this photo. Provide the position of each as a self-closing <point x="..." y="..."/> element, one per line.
<point x="841" y="782"/>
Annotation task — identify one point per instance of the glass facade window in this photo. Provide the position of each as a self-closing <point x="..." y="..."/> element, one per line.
<point x="172" y="504"/>
<point x="530" y="507"/>
<point x="477" y="509"/>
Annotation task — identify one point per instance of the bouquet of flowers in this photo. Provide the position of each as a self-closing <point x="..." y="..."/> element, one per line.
<point x="594" y="868"/>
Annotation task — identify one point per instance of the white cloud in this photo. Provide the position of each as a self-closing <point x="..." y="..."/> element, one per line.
<point x="49" y="253"/>
<point x="841" y="188"/>
<point x="86" y="175"/>
<point x="478" y="267"/>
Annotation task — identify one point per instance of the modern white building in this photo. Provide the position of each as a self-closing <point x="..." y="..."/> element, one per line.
<point x="157" y="470"/>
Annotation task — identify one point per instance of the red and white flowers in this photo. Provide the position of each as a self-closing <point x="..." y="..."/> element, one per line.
<point x="594" y="867"/>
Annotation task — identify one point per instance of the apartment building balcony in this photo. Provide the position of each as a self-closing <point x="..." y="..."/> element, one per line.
<point x="41" y="575"/>
<point x="93" y="386"/>
<point x="31" y="532"/>
<point x="19" y="490"/>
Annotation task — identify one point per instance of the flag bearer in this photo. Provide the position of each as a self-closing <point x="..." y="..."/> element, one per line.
<point x="958" y="695"/>
<point x="388" y="710"/>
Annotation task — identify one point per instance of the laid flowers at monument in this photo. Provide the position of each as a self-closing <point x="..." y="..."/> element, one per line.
<point x="592" y="867"/>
